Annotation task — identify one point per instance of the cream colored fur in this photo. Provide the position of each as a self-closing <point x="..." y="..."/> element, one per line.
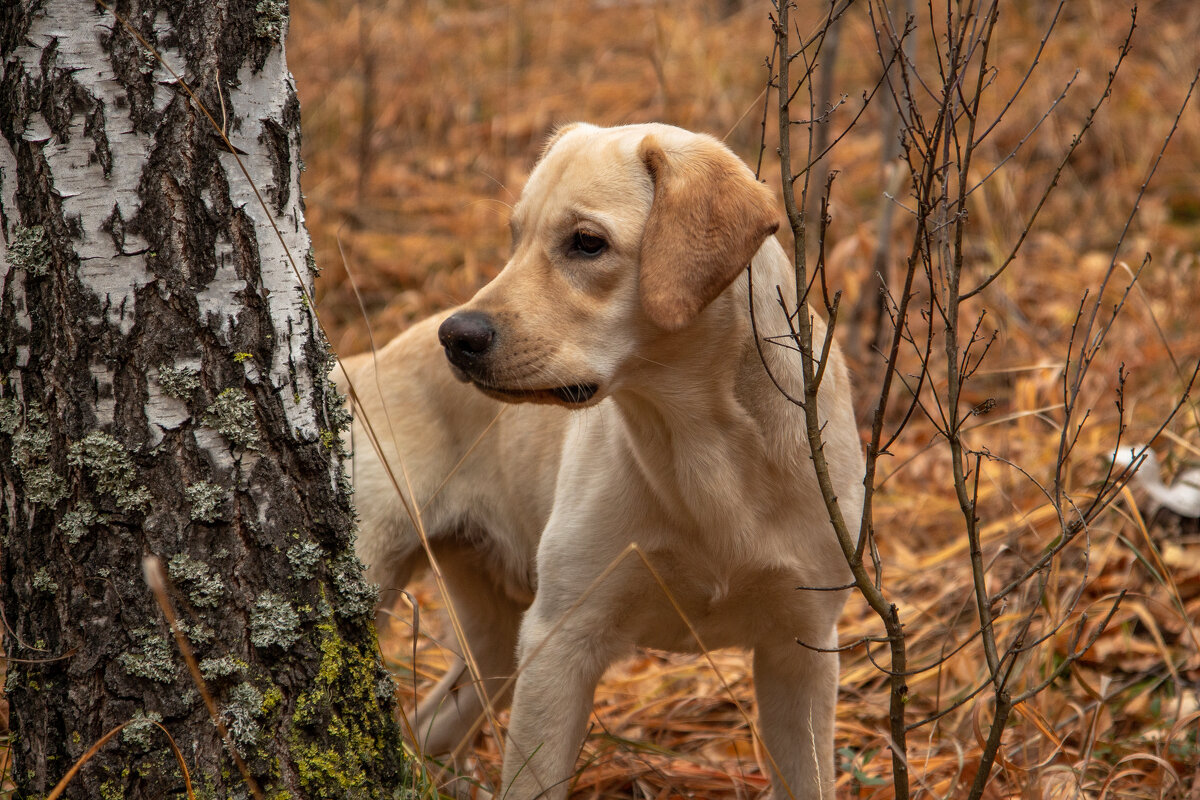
<point x="687" y="450"/>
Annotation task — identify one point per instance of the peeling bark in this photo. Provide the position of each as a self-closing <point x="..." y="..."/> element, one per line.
<point x="163" y="391"/>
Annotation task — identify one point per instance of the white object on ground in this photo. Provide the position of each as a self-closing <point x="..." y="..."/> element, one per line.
<point x="1182" y="497"/>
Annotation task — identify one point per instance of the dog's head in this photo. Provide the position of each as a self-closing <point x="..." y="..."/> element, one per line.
<point x="621" y="234"/>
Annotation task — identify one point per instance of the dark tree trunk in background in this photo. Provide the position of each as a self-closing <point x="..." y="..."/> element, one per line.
<point x="163" y="392"/>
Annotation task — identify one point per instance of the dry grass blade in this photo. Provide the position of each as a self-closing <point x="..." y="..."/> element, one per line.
<point x="156" y="579"/>
<point x="61" y="786"/>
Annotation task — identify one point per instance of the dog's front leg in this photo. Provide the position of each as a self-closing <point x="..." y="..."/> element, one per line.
<point x="796" y="689"/>
<point x="557" y="680"/>
<point x="489" y="620"/>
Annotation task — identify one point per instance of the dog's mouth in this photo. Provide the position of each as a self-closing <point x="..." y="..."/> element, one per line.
<point x="571" y="395"/>
<point x="576" y="394"/>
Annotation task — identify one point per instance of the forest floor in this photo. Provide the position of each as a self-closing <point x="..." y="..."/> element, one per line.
<point x="421" y="121"/>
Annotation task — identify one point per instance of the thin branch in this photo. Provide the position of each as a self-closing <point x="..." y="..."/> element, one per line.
<point x="1076" y="140"/>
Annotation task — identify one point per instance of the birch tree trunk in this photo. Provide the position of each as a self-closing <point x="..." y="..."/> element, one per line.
<point x="163" y="392"/>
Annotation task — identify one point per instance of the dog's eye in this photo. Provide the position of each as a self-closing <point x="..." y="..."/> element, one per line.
<point x="587" y="244"/>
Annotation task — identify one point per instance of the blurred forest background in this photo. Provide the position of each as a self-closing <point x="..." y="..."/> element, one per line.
<point x="421" y="121"/>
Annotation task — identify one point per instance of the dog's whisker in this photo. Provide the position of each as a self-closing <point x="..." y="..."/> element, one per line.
<point x="652" y="361"/>
<point x="499" y="183"/>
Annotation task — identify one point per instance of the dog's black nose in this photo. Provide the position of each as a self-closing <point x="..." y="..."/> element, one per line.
<point x="466" y="334"/>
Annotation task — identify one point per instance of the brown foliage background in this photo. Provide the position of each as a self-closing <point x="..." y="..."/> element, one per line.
<point x="421" y="120"/>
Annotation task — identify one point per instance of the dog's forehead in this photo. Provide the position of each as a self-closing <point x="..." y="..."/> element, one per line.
<point x="588" y="167"/>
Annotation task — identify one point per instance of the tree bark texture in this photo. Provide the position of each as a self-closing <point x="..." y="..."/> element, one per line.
<point x="163" y="392"/>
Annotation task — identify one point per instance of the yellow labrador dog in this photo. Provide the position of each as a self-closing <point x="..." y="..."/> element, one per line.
<point x="644" y="415"/>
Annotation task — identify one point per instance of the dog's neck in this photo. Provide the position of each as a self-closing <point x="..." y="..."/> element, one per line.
<point x="704" y="390"/>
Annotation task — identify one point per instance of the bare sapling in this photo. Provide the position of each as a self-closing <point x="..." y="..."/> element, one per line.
<point x="938" y="83"/>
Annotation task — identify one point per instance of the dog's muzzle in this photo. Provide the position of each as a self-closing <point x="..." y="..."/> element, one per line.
<point x="469" y="339"/>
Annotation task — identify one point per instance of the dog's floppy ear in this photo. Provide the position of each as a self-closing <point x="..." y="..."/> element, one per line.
<point x="708" y="219"/>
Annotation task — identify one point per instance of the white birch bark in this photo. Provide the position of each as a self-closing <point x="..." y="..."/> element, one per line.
<point x="94" y="191"/>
